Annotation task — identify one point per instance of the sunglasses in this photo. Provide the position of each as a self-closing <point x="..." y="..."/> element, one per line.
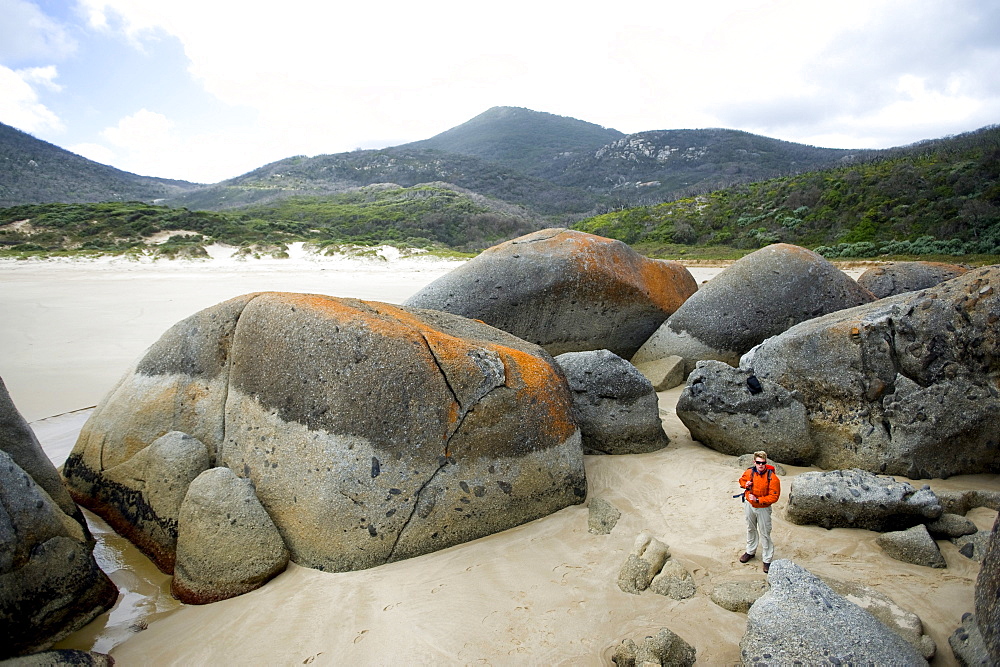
<point x="761" y="463"/>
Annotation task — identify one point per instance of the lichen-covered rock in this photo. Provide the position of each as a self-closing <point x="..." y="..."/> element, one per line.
<point x="665" y="373"/>
<point x="664" y="648"/>
<point x="801" y="618"/>
<point x="602" y="516"/>
<point x="227" y="545"/>
<point x="371" y="432"/>
<point x="901" y="621"/>
<point x="721" y="411"/>
<point x="988" y="595"/>
<point x="643" y="563"/>
<point x="906" y="385"/>
<point x="858" y="499"/>
<point x="564" y="290"/>
<point x="674" y="581"/>
<point x="50" y="584"/>
<point x="913" y="545"/>
<point x="899" y="277"/>
<point x="738" y="596"/>
<point x="756" y="297"/>
<point x="614" y="405"/>
<point x="949" y="526"/>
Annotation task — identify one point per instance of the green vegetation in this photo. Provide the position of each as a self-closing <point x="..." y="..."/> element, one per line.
<point x="940" y="197"/>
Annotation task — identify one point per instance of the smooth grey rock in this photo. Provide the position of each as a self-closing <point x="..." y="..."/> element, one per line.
<point x="614" y="405"/>
<point x="906" y="385"/>
<point x="968" y="646"/>
<point x="50" y="585"/>
<point x="901" y="621"/>
<point x="564" y="290"/>
<point x="756" y="297"/>
<point x="738" y="596"/>
<point x="899" y="277"/>
<point x="674" y="581"/>
<point x="665" y="373"/>
<point x="143" y="495"/>
<point x="371" y="432"/>
<point x="949" y="526"/>
<point x="988" y="594"/>
<point x="664" y="648"/>
<point x="973" y="546"/>
<point x="858" y="499"/>
<point x="721" y="412"/>
<point x="602" y="516"/>
<point x="801" y="618"/>
<point x="227" y="545"/>
<point x="643" y="563"/>
<point x="914" y="545"/>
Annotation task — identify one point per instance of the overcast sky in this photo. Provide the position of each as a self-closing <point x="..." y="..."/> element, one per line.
<point x="205" y="90"/>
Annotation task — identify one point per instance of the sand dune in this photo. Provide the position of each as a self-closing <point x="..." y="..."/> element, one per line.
<point x="544" y="592"/>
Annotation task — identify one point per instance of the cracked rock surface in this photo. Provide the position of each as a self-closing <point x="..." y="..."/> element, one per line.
<point x="370" y="432"/>
<point x="565" y="290"/>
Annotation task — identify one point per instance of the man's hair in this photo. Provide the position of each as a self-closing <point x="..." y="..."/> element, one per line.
<point x="760" y="455"/>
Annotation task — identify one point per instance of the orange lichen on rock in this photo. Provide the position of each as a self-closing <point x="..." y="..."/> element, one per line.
<point x="539" y="380"/>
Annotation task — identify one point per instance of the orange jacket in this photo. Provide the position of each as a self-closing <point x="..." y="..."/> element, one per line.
<point x="766" y="487"/>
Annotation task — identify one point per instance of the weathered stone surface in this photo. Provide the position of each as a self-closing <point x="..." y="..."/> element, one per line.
<point x="899" y="277"/>
<point x="371" y="432"/>
<point x="960" y="502"/>
<point x="721" y="412"/>
<point x="973" y="546"/>
<point x="614" y="405"/>
<point x="988" y="595"/>
<point x="738" y="596"/>
<point x="858" y="499"/>
<point x="665" y="373"/>
<point x="758" y="296"/>
<point x="801" y="618"/>
<point x="949" y="526"/>
<point x="901" y="621"/>
<point x="643" y="563"/>
<point x="564" y="290"/>
<point x="227" y="545"/>
<point x="50" y="584"/>
<point x="664" y="648"/>
<point x="602" y="516"/>
<point x="907" y="385"/>
<point x="968" y="646"/>
<point x="674" y="581"/>
<point x="62" y="657"/>
<point x="913" y="545"/>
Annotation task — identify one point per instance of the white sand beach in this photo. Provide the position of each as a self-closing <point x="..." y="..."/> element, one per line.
<point x="545" y="592"/>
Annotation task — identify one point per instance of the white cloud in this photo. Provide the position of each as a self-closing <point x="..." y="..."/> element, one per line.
<point x="95" y="152"/>
<point x="19" y="103"/>
<point x="26" y="33"/>
<point x="141" y="132"/>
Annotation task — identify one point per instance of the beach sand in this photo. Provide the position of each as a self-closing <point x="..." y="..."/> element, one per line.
<point x="545" y="592"/>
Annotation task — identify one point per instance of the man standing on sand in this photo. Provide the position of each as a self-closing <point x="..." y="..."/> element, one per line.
<point x="762" y="490"/>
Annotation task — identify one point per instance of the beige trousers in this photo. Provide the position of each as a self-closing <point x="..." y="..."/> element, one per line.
<point x="759" y="524"/>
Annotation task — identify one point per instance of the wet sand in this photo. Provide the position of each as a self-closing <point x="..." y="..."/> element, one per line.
<point x="544" y="592"/>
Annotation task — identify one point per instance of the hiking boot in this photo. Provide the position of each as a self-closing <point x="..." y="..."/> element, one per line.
<point x="745" y="558"/>
<point x="767" y="566"/>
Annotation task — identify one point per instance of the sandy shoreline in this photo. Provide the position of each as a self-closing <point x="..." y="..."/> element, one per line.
<point x="543" y="592"/>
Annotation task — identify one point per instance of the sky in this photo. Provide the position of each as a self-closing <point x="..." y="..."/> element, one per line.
<point x="205" y="90"/>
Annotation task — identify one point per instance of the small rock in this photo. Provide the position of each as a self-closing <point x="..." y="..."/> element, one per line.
<point x="665" y="648"/>
<point x="914" y="545"/>
<point x="643" y="563"/>
<point x="665" y="373"/>
<point x="673" y="581"/>
<point x="602" y="516"/>
<point x="738" y="596"/>
<point x="967" y="644"/>
<point x="950" y="526"/>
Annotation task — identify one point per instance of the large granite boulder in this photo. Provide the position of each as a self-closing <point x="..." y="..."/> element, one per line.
<point x="50" y="584"/>
<point x="614" y="405"/>
<point x="858" y="499"/>
<point x="908" y="385"/>
<point x="227" y="545"/>
<point x="801" y="620"/>
<point x="371" y="433"/>
<point x="899" y="277"/>
<point x="988" y="595"/>
<point x="758" y="296"/>
<point x="565" y="290"/>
